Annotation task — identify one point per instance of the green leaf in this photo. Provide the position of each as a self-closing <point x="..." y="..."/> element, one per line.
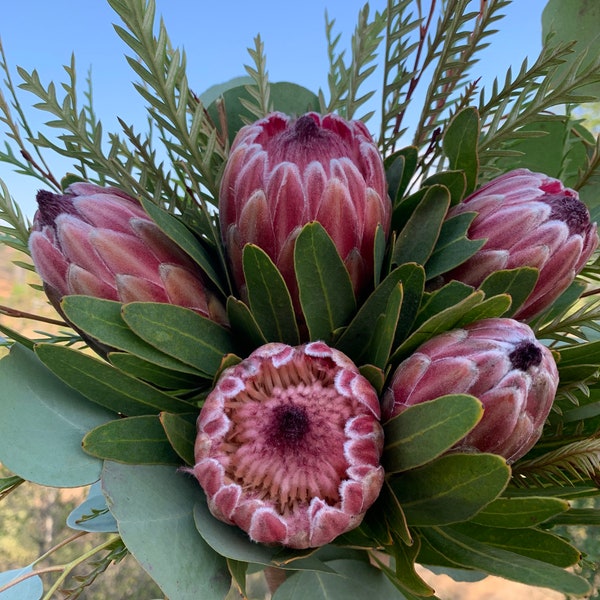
<point x="181" y="433"/>
<point x="450" y="489"/>
<point x="527" y="541"/>
<point x="102" y="320"/>
<point x="425" y="431"/>
<point x="324" y="284"/>
<point x="43" y="422"/>
<point x="385" y="329"/>
<point x="413" y="286"/>
<point x="290" y="98"/>
<point x="147" y="371"/>
<point x="460" y="144"/>
<point x="417" y="239"/>
<point x="353" y="579"/>
<point x="520" y="512"/>
<point x="453" y="247"/>
<point x="133" y="440"/>
<point x="178" y="233"/>
<point x="404" y="557"/>
<point x="455" y="181"/>
<point x="400" y="167"/>
<point x="517" y="283"/>
<point x="103" y="384"/>
<point x="181" y="333"/>
<point x="269" y="298"/>
<point x="470" y="553"/>
<point x="244" y="325"/>
<point x="193" y="570"/>
<point x="496" y="306"/>
<point x="573" y="21"/>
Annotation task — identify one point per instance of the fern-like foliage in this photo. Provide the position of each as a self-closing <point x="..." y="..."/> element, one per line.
<point x="14" y="230"/>
<point x="259" y="92"/>
<point x="346" y="81"/>
<point x="577" y="461"/>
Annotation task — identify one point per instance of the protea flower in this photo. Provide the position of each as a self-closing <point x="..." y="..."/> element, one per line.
<point x="283" y="173"/>
<point x="288" y="445"/>
<point x="528" y="219"/>
<point x="497" y="360"/>
<point x="99" y="242"/>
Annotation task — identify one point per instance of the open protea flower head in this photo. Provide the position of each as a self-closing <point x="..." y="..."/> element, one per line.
<point x="528" y="220"/>
<point x="500" y="362"/>
<point x="99" y="242"/>
<point x="283" y="173"/>
<point x="288" y="445"/>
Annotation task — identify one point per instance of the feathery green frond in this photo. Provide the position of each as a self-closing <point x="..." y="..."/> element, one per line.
<point x="260" y="92"/>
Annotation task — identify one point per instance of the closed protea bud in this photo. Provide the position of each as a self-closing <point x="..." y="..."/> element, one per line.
<point x="288" y="445"/>
<point x="500" y="362"/>
<point x="284" y="173"/>
<point x="528" y="220"/>
<point x="99" y="242"/>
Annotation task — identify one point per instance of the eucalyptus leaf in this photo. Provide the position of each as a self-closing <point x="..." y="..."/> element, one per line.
<point x="181" y="333"/>
<point x="450" y="489"/>
<point x="31" y="588"/>
<point x="105" y="385"/>
<point x="133" y="440"/>
<point x="269" y="298"/>
<point x="93" y="514"/>
<point x="153" y="506"/>
<point x="423" y="432"/>
<point x="43" y="422"/>
<point x="324" y="284"/>
<point x="102" y="320"/>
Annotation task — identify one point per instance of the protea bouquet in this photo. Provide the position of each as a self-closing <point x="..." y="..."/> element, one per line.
<point x="308" y="355"/>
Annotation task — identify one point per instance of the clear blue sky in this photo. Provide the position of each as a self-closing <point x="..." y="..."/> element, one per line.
<point x="42" y="34"/>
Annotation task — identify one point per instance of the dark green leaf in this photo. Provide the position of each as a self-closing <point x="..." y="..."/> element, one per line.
<point x="385" y="329"/>
<point x="102" y="320"/>
<point x="181" y="433"/>
<point x="455" y="181"/>
<point x="517" y="283"/>
<point x="324" y="284"/>
<point x="134" y="440"/>
<point x="450" y="489"/>
<point x="269" y="298"/>
<point x="244" y="325"/>
<point x="496" y="306"/>
<point x="460" y="144"/>
<point x="413" y="286"/>
<point x="105" y="385"/>
<point x="453" y="247"/>
<point x="147" y="371"/>
<point x="400" y="167"/>
<point x="177" y="232"/>
<point x="417" y="239"/>
<point x="470" y="553"/>
<point x="406" y="574"/>
<point x="425" y="431"/>
<point x="181" y="333"/>
<point x="520" y="512"/>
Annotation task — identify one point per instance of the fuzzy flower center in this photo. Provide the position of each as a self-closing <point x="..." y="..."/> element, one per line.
<point x="286" y="439"/>
<point x="526" y="354"/>
<point x="570" y="210"/>
<point x="51" y="206"/>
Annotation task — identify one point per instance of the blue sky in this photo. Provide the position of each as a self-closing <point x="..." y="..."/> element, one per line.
<point x="38" y="34"/>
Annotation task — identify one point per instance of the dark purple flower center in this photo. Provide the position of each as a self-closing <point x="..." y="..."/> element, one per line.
<point x="51" y="206"/>
<point x="525" y="354"/>
<point x="289" y="426"/>
<point x="567" y="208"/>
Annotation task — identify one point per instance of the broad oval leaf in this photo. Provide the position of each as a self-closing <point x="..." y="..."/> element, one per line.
<point x="133" y="440"/>
<point x="193" y="570"/>
<point x="93" y="514"/>
<point x="450" y="489"/>
<point x="43" y="422"/>
<point x="181" y="333"/>
<point x="105" y="385"/>
<point x="269" y="297"/>
<point x="30" y="588"/>
<point x="324" y="284"/>
<point x="423" y="432"/>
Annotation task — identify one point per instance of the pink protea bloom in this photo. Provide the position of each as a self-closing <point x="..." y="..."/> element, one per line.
<point x="528" y="220"/>
<point x="500" y="362"/>
<point x="284" y="173"/>
<point x="99" y="242"/>
<point x="288" y="445"/>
